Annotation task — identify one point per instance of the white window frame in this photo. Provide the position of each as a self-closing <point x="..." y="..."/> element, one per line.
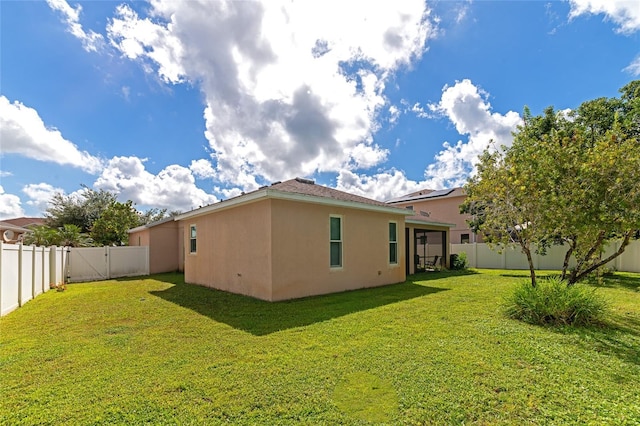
<point x="193" y="238"/>
<point x="392" y="242"/>
<point x="340" y="241"/>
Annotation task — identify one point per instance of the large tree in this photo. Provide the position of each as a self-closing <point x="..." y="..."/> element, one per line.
<point x="114" y="222"/>
<point x="570" y="178"/>
<point x="80" y="209"/>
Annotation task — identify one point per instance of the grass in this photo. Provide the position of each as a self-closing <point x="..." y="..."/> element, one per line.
<point x="434" y="350"/>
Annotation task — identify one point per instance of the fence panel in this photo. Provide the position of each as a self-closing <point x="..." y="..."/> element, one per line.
<point x="128" y="261"/>
<point x="46" y="267"/>
<point x="9" y="262"/>
<point x="37" y="271"/>
<point x="479" y="255"/>
<point x="26" y="276"/>
<point x="103" y="263"/>
<point x="87" y="264"/>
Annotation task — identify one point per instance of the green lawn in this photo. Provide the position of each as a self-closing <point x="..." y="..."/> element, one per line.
<point x="434" y="350"/>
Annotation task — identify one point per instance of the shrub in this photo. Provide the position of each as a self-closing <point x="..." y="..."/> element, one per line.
<point x="553" y="302"/>
<point x="459" y="261"/>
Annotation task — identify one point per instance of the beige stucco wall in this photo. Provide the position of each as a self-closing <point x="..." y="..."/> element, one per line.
<point x="165" y="246"/>
<point x="446" y="210"/>
<point x="164" y="252"/>
<point x="300" y="249"/>
<point x="233" y="250"/>
<point x="140" y="238"/>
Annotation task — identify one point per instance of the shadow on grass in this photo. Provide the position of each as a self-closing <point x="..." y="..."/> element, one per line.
<point x="260" y="318"/>
<point x="619" y="336"/>
<point x="617" y="280"/>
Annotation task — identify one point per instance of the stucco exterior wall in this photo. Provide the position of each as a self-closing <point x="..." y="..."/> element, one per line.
<point x="300" y="250"/>
<point x="233" y="250"/>
<point x="165" y="246"/>
<point x="139" y="238"/>
<point x="164" y="251"/>
<point x="446" y="210"/>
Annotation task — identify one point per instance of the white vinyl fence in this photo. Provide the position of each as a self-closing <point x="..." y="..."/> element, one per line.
<point x="480" y="256"/>
<point x="103" y="263"/>
<point x="28" y="271"/>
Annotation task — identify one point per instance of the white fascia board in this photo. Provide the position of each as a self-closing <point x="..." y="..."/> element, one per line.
<point x="421" y="222"/>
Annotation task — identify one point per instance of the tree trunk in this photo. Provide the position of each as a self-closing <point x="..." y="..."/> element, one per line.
<point x="575" y="276"/>
<point x="596" y="246"/>
<point x="567" y="257"/>
<point x="532" y="271"/>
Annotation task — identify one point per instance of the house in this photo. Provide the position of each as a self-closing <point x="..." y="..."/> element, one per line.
<point x="166" y="245"/>
<point x="11" y="233"/>
<point x="296" y="238"/>
<point x="441" y="206"/>
<point x="13" y="230"/>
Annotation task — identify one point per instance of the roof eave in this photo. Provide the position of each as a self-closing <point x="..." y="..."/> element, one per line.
<point x="269" y="193"/>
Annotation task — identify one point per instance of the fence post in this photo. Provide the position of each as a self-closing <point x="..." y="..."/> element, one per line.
<point x="43" y="268"/>
<point x="33" y="272"/>
<point x="107" y="259"/>
<point x="20" y="275"/>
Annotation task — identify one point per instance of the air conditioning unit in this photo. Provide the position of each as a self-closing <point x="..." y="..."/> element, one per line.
<point x="8" y="236"/>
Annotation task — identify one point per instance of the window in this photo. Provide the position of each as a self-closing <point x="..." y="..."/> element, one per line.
<point x="335" y="241"/>
<point x="192" y="239"/>
<point x="464" y="239"/>
<point x="393" y="242"/>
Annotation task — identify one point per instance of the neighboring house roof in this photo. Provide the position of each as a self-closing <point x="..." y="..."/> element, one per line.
<point x="5" y="225"/>
<point x="26" y="221"/>
<point x="10" y="233"/>
<point x="427" y="194"/>
<point x="302" y="190"/>
<point x="150" y="225"/>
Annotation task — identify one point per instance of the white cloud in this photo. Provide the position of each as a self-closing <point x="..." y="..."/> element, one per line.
<point x="4" y="173"/>
<point x="23" y="132"/>
<point x="10" y="205"/>
<point x="381" y="186"/>
<point x="202" y="169"/>
<point x="291" y="88"/>
<point x="172" y="188"/>
<point x="91" y="41"/>
<point x="624" y="13"/>
<point x="40" y="194"/>
<point x="469" y="110"/>
<point x="394" y="114"/>
<point x="634" y="67"/>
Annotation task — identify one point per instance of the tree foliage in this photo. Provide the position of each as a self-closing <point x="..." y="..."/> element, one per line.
<point x="95" y="212"/>
<point x="81" y="209"/>
<point x="114" y="222"/>
<point x="568" y="178"/>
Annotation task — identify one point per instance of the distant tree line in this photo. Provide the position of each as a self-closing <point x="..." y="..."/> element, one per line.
<point x="92" y="218"/>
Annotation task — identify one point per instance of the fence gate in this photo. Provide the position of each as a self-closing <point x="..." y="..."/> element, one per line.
<point x="103" y="263"/>
<point x="88" y="264"/>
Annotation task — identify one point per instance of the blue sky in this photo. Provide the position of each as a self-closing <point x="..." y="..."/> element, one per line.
<point x="180" y="104"/>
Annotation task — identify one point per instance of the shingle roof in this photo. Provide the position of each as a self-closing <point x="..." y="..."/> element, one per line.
<point x="302" y="190"/>
<point x="308" y="187"/>
<point x="25" y="221"/>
